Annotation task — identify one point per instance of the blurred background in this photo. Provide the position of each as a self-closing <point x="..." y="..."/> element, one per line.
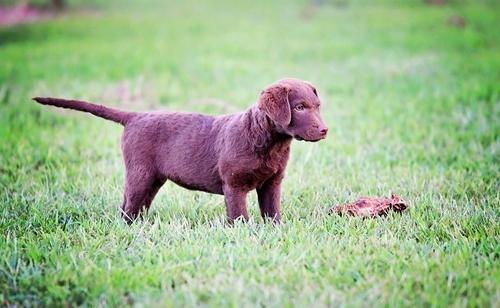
<point x="403" y="82"/>
<point x="409" y="84"/>
<point x="411" y="95"/>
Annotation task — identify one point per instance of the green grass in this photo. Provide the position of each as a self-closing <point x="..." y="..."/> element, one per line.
<point x="413" y="107"/>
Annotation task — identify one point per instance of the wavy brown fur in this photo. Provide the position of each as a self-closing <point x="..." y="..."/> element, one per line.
<point x="230" y="155"/>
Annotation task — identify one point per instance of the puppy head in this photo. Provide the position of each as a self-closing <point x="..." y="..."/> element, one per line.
<point x="293" y="105"/>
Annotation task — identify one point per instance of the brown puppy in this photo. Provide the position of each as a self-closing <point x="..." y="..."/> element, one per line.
<point x="229" y="155"/>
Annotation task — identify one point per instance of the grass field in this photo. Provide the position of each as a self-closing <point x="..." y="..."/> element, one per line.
<point x="413" y="106"/>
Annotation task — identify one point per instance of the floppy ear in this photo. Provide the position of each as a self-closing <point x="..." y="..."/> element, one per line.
<point x="313" y="88"/>
<point x="274" y="102"/>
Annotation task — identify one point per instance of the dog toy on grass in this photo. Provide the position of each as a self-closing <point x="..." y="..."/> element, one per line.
<point x="371" y="206"/>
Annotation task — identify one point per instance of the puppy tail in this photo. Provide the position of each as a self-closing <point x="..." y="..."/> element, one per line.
<point x="115" y="115"/>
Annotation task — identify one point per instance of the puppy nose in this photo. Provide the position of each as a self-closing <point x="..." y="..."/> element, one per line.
<point x="323" y="130"/>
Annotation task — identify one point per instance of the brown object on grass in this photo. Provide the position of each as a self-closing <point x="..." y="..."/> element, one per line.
<point x="456" y="21"/>
<point x="371" y="206"/>
<point x="437" y="2"/>
<point x="228" y="155"/>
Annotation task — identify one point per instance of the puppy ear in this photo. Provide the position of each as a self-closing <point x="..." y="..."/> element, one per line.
<point x="314" y="90"/>
<point x="312" y="87"/>
<point x="274" y="102"/>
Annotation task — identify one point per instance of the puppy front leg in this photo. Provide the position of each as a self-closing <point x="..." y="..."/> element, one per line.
<point x="235" y="200"/>
<point x="269" y="196"/>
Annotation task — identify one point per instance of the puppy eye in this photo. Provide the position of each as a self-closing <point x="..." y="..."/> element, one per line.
<point x="299" y="107"/>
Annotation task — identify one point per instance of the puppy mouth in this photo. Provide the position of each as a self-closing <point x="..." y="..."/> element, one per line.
<point x="309" y="139"/>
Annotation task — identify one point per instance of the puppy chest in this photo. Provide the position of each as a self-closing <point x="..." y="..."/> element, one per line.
<point x="252" y="171"/>
<point x="251" y="178"/>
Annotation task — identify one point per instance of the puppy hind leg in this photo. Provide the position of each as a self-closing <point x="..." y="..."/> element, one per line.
<point x="157" y="184"/>
<point x="125" y="217"/>
<point x="138" y="195"/>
